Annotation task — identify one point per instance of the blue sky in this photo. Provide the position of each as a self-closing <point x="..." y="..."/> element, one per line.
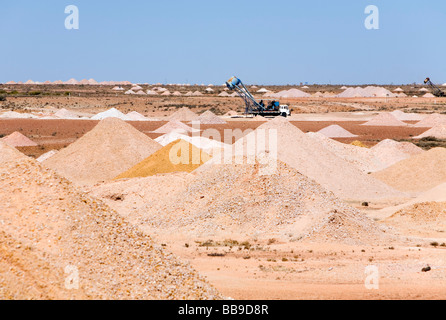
<point x="198" y="41"/>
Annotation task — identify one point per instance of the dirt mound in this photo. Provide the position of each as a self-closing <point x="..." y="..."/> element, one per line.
<point x="426" y="219"/>
<point x="184" y="114"/>
<point x="431" y="121"/>
<point x="58" y="243"/>
<point x="367" y="92"/>
<point x="208" y="117"/>
<point x="16" y="139"/>
<point x="361" y="158"/>
<point x="385" y="119"/>
<point x="66" y="114"/>
<point x="439" y="132"/>
<point x="335" y="131"/>
<point x="205" y="144"/>
<point x="231" y="113"/>
<point x="381" y="156"/>
<point x="174" y="126"/>
<point x="292" y="93"/>
<point x="417" y="173"/>
<point x="389" y="152"/>
<point x="127" y="196"/>
<point x="136" y="116"/>
<point x="17" y="115"/>
<point x="112" y="147"/>
<point x="175" y="157"/>
<point x="315" y="161"/>
<point x="8" y="153"/>
<point x="424" y="212"/>
<point x="111" y="113"/>
<point x="402" y="116"/>
<point x="237" y="201"/>
<point x="437" y="194"/>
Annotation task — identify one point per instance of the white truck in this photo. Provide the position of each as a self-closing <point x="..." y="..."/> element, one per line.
<point x="265" y="108"/>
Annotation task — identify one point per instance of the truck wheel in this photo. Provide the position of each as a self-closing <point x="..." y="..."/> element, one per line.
<point x="284" y="114"/>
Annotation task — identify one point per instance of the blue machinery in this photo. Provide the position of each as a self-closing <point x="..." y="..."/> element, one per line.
<point x="252" y="106"/>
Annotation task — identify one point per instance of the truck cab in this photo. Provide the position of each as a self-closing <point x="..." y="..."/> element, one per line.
<point x="285" y="111"/>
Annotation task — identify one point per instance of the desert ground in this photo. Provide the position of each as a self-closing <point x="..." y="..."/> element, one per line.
<point x="137" y="227"/>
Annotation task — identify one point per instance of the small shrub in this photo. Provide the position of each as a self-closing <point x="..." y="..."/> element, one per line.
<point x="216" y="254"/>
<point x="271" y="241"/>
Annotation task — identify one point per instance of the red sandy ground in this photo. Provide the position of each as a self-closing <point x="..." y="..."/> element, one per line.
<point x="57" y="134"/>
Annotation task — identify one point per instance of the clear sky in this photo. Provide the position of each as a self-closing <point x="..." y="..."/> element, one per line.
<point x="207" y="41"/>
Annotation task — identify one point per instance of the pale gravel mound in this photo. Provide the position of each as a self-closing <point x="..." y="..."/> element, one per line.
<point x="136" y="116"/>
<point x="431" y="121"/>
<point x="438" y="132"/>
<point x="402" y="116"/>
<point x="72" y="81"/>
<point x="426" y="219"/>
<point x="381" y="156"/>
<point x="111" y="113"/>
<point x="424" y="212"/>
<point x="175" y="126"/>
<point x="231" y="113"/>
<point x="418" y="173"/>
<point x="385" y="119"/>
<point x="292" y="93"/>
<point x="112" y="147"/>
<point x="50" y="226"/>
<point x="16" y="139"/>
<point x="361" y="158"/>
<point x="367" y="92"/>
<point x="66" y="114"/>
<point x="8" y="153"/>
<point x="336" y="131"/>
<point x="235" y="201"/>
<point x="128" y="195"/>
<point x="315" y="161"/>
<point x="389" y="152"/>
<point x="184" y="114"/>
<point x="136" y="88"/>
<point x="17" y="115"/>
<point x="437" y="194"/>
<point x="428" y="95"/>
<point x="203" y="143"/>
<point x="46" y="156"/>
<point x="208" y="117"/>
<point x="258" y="118"/>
